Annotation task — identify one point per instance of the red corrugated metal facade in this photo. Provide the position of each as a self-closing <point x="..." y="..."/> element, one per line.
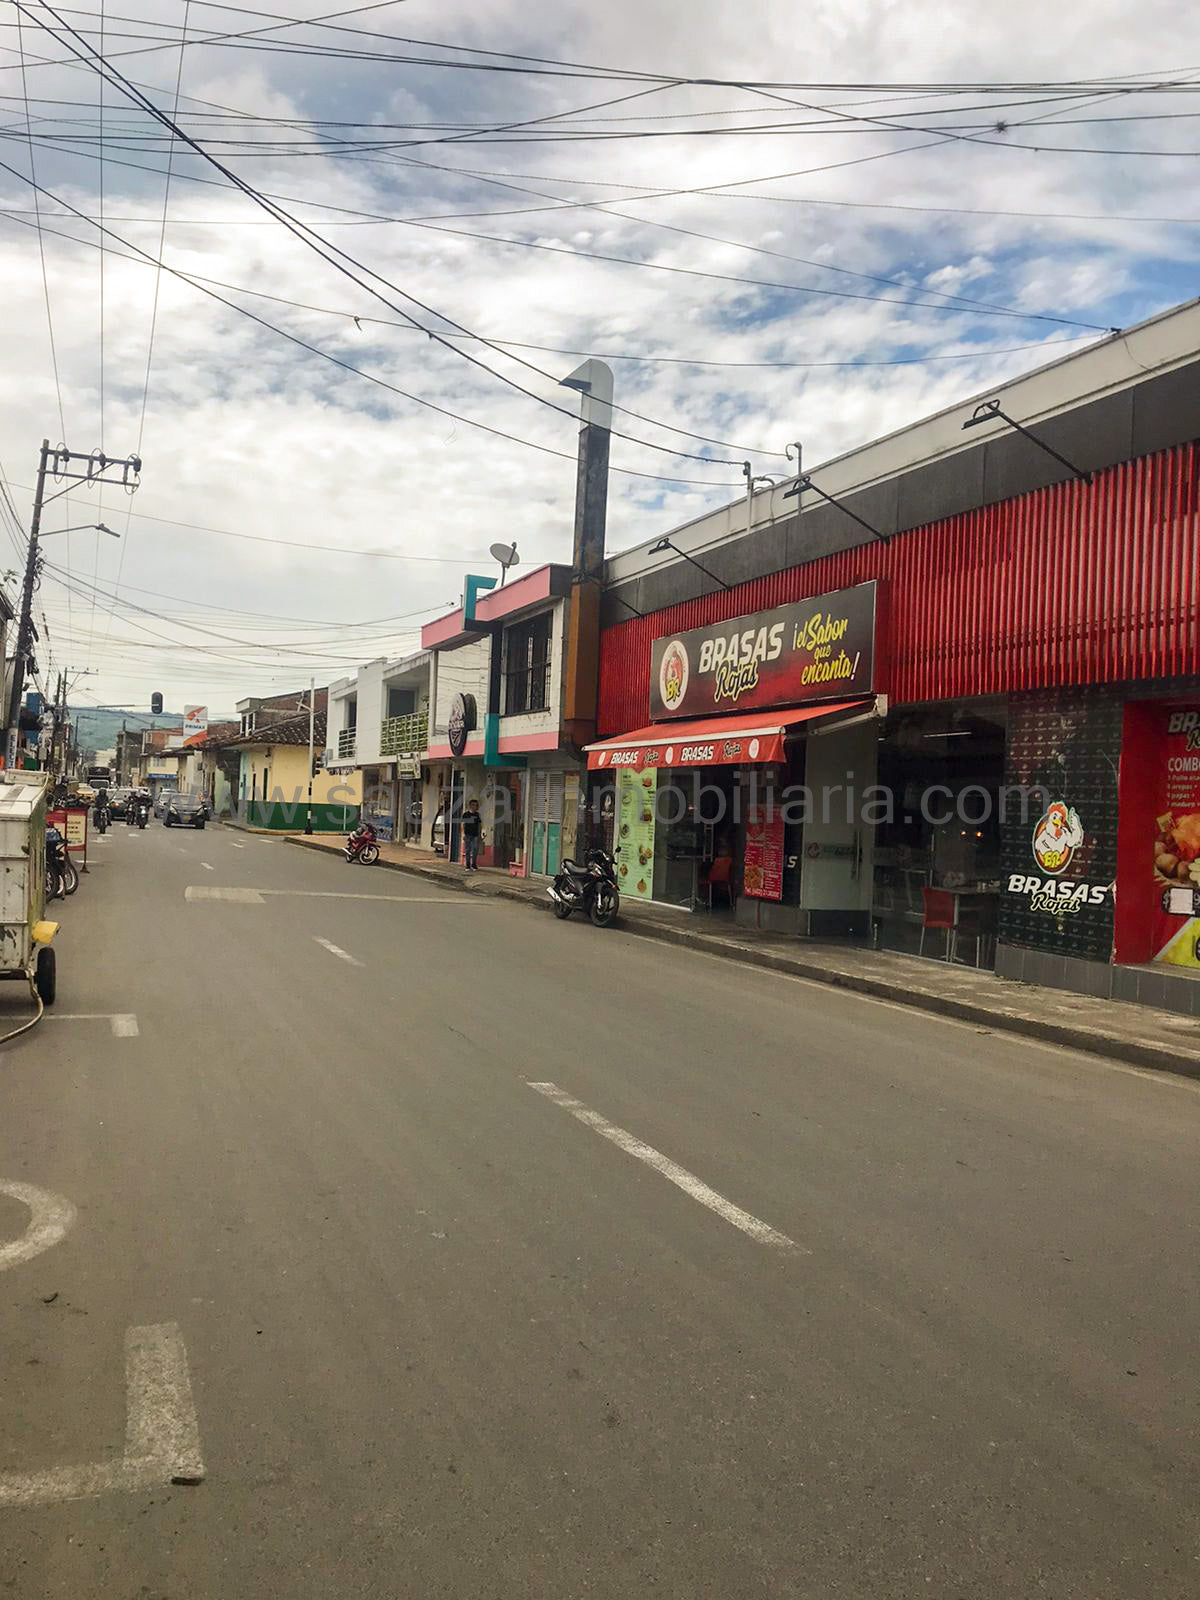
<point x="1081" y="583"/>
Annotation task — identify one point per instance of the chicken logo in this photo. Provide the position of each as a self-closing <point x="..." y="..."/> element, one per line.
<point x="1056" y="837"/>
<point x="673" y="675"/>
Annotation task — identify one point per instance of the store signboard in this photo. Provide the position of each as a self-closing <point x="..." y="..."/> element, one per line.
<point x="72" y="823"/>
<point x="817" y="649"/>
<point x="635" y="832"/>
<point x="762" y="862"/>
<point x="195" y="720"/>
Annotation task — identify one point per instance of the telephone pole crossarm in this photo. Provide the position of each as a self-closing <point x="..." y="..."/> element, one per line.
<point x="54" y="461"/>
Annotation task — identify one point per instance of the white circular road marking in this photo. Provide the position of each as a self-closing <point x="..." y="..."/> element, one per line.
<point x="52" y="1218"/>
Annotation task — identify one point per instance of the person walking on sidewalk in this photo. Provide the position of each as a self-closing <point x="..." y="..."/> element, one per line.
<point x="472" y="831"/>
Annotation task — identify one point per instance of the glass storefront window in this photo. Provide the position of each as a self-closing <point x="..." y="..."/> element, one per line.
<point x="943" y="770"/>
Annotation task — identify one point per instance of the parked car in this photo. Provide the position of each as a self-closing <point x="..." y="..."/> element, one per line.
<point x="185" y="810"/>
<point x="161" y="800"/>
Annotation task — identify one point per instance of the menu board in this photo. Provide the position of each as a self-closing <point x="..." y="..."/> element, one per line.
<point x="635" y="832"/>
<point x="762" y="865"/>
<point x="1176" y="848"/>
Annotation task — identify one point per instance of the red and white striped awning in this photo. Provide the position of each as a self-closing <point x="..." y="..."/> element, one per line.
<point x="754" y="738"/>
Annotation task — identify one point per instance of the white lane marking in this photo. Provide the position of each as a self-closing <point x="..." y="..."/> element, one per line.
<point x="124" y="1023"/>
<point x="679" y="1176"/>
<point x="162" y="1436"/>
<point x="238" y="846"/>
<point x="160" y="1414"/>
<point x="51" y="1217"/>
<point x="396" y="899"/>
<point x="239" y="897"/>
<point x="336" y="950"/>
<point x="206" y="866"/>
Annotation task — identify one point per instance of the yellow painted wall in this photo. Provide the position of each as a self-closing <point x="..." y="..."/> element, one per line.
<point x="286" y="770"/>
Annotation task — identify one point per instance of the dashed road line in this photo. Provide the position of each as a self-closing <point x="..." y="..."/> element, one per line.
<point x="206" y="866"/>
<point x="124" y="1023"/>
<point x="237" y="897"/>
<point x="336" y="950"/>
<point x="395" y="899"/>
<point x="50" y="1220"/>
<point x="679" y="1176"/>
<point x="258" y="897"/>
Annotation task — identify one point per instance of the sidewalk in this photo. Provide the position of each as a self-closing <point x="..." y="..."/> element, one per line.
<point x="1140" y="1035"/>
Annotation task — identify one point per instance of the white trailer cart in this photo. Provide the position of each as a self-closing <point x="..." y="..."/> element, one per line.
<point x="25" y="934"/>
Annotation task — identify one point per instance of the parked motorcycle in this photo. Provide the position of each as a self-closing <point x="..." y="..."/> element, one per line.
<point x="362" y="845"/>
<point x="590" y="887"/>
<point x="62" y="876"/>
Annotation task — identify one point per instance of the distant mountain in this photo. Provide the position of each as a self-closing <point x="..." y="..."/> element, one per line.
<point x="98" y="726"/>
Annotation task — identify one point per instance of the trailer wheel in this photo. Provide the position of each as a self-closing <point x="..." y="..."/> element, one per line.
<point x="46" y="977"/>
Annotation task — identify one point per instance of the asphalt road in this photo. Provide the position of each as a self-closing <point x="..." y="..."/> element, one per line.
<point x="913" y="1312"/>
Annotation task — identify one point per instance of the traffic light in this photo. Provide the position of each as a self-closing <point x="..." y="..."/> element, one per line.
<point x="156" y="704"/>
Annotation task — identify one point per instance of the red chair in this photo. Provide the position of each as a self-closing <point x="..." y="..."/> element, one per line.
<point x="719" y="876"/>
<point x="939" y="912"/>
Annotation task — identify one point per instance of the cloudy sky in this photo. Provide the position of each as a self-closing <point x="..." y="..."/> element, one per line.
<point x="879" y="210"/>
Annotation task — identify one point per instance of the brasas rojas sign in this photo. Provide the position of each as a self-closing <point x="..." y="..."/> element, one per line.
<point x="818" y="649"/>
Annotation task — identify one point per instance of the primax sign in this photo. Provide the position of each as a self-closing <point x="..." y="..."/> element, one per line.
<point x="818" y="649"/>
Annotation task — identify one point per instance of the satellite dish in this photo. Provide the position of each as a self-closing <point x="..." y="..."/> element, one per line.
<point x="507" y="556"/>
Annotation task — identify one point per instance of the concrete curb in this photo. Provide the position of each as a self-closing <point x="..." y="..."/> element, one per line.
<point x="1156" y="1056"/>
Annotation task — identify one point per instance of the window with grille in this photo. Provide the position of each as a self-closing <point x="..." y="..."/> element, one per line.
<point x="527" y="665"/>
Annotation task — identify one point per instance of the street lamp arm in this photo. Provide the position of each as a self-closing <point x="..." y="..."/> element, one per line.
<point x="78" y="527"/>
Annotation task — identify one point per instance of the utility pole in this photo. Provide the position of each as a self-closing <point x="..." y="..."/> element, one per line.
<point x="57" y="461"/>
<point x="312" y="717"/>
<point x="25" y="626"/>
<point x="58" y="745"/>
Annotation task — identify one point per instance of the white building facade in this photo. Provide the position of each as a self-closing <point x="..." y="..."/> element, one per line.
<point x="498" y="733"/>
<point x="378" y="725"/>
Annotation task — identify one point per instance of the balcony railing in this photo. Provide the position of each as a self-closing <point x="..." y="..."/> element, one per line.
<point x="404" y="736"/>
<point x="346" y="744"/>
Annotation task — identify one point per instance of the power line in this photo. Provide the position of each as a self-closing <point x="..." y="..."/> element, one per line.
<point x="42" y="258"/>
<point x="347" y="366"/>
<point x="124" y="607"/>
<point x="602" y="355"/>
<point x="647" y="192"/>
<point x="162" y="239"/>
<point x="327" y="622"/>
<point x="954" y="303"/>
<point x="323" y="247"/>
<point x="280" y="617"/>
